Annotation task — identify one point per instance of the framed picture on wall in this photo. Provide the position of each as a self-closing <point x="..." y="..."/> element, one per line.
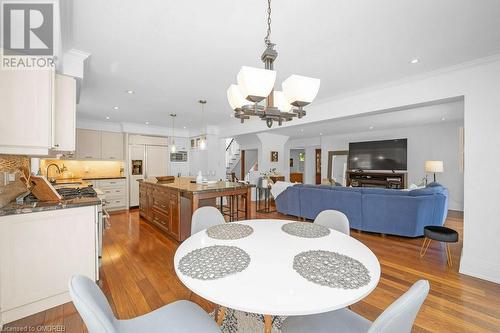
<point x="291" y="163"/>
<point x="274" y="156"/>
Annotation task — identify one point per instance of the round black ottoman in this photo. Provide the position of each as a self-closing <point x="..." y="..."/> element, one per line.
<point x="441" y="234"/>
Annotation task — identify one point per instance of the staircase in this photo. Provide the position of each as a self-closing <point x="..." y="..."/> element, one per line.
<point x="232" y="159"/>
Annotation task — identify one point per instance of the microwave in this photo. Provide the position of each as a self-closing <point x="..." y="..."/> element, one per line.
<point x="180" y="156"/>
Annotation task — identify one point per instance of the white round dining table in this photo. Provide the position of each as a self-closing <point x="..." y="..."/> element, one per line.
<point x="269" y="285"/>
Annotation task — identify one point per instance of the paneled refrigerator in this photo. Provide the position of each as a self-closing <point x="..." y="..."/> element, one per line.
<point x="145" y="161"/>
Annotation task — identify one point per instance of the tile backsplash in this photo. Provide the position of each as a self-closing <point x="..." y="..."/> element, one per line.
<point x="12" y="163"/>
<point x="84" y="169"/>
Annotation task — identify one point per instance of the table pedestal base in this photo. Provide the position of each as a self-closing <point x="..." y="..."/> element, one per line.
<point x="268" y="323"/>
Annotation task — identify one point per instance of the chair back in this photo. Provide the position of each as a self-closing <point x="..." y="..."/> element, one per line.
<point x="205" y="217"/>
<point x="400" y="315"/>
<point x="333" y="219"/>
<point x="92" y="305"/>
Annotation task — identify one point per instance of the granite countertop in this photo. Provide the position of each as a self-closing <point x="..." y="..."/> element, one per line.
<point x="102" y="178"/>
<point x="42" y="206"/>
<point x="184" y="184"/>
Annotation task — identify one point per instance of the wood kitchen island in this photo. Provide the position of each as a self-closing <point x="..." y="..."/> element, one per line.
<point x="170" y="205"/>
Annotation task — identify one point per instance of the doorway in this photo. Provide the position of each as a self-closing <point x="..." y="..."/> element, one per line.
<point x="297" y="165"/>
<point x="317" y="166"/>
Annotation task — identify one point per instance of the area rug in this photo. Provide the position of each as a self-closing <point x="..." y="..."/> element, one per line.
<point x="244" y="322"/>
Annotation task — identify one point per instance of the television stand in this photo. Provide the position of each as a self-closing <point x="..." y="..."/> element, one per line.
<point x="390" y="179"/>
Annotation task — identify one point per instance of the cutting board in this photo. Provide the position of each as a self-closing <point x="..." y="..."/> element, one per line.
<point x="43" y="190"/>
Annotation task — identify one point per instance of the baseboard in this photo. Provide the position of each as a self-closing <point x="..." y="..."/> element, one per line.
<point x="479" y="268"/>
<point x="458" y="214"/>
<point x="26" y="310"/>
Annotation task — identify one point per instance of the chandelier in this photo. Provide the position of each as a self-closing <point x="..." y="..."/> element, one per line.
<point x="256" y="85"/>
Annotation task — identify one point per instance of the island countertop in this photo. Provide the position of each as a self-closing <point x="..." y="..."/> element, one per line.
<point x="183" y="184"/>
<point x="169" y="205"/>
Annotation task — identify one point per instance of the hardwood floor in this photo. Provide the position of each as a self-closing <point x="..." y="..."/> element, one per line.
<point x="137" y="276"/>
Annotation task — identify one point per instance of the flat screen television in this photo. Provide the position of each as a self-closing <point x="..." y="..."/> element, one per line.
<point x="378" y="155"/>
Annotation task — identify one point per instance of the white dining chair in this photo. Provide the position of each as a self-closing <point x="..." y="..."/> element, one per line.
<point x="93" y="307"/>
<point x="397" y="318"/>
<point x="333" y="219"/>
<point x="205" y="217"/>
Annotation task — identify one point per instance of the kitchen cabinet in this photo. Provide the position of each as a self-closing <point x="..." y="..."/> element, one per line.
<point x="38" y="112"/>
<point x="26" y="111"/>
<point x="99" y="145"/>
<point x="88" y="144"/>
<point x="115" y="192"/>
<point x="161" y="207"/>
<point x="39" y="252"/>
<point x="112" y="146"/>
<point x="64" y="114"/>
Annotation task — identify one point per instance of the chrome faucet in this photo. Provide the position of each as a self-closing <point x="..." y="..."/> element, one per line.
<point x="52" y="180"/>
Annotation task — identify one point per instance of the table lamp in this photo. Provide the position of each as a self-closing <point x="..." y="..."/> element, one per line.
<point x="434" y="167"/>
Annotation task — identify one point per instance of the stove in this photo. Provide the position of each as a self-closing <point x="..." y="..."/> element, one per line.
<point x="68" y="193"/>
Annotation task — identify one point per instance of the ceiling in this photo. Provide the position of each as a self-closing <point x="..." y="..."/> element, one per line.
<point x="409" y="117"/>
<point x="173" y="53"/>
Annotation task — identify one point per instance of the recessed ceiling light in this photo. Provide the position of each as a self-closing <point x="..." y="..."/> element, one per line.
<point x="370" y="128"/>
<point x="130" y="92"/>
<point x="443" y="118"/>
<point x="414" y="61"/>
<point x="115" y="107"/>
<point x="107" y="118"/>
<point x="147" y="123"/>
<point x="302" y="130"/>
<point x="184" y="127"/>
<point x="320" y="133"/>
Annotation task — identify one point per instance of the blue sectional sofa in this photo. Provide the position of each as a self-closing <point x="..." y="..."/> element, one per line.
<point x="394" y="212"/>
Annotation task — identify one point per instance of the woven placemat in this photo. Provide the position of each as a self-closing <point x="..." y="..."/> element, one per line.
<point x="214" y="262"/>
<point x="229" y="231"/>
<point x="331" y="269"/>
<point x="305" y="229"/>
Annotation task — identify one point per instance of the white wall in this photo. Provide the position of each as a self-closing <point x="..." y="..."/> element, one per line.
<point x="431" y="142"/>
<point x="479" y="83"/>
<point x="211" y="161"/>
<point x="273" y="142"/>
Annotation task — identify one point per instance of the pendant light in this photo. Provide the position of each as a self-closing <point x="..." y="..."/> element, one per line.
<point x="256" y="84"/>
<point x="173" y="149"/>
<point x="203" y="139"/>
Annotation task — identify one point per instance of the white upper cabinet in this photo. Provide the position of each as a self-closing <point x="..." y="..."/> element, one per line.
<point x="37" y="112"/>
<point x="112" y="146"/>
<point x="26" y="111"/>
<point x="64" y="113"/>
<point x="99" y="145"/>
<point x="88" y="144"/>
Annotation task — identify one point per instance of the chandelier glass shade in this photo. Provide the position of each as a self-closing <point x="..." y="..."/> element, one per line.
<point x="300" y="90"/>
<point x="257" y="84"/>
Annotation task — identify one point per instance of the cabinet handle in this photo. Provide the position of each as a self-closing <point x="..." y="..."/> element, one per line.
<point x="56" y="145"/>
<point x="88" y="156"/>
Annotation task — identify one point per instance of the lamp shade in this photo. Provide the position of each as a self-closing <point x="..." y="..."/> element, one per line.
<point x="255" y="83"/>
<point x="434" y="166"/>
<point x="300" y="90"/>
<point x="280" y="101"/>
<point x="235" y="98"/>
